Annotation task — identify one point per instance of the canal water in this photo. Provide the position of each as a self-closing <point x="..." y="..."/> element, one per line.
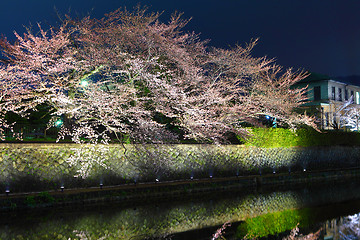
<point x="329" y="211"/>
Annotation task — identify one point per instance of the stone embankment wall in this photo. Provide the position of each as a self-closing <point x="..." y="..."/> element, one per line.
<point x="45" y="167"/>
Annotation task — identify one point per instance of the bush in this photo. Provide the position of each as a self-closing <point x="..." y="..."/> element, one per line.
<point x="302" y="137"/>
<point x="271" y="138"/>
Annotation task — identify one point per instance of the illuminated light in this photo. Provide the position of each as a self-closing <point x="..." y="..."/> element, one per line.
<point x="211" y="176"/>
<point x="84" y="83"/>
<point x="62" y="188"/>
<point x="101" y="185"/>
<point x="192" y="178"/>
<point x="58" y="123"/>
<point x="304" y="169"/>
<point x="267" y="117"/>
<point x="157" y="180"/>
<point x="7" y="191"/>
<point x="274" y="172"/>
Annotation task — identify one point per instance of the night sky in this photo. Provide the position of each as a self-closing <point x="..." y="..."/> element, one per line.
<point x="322" y="36"/>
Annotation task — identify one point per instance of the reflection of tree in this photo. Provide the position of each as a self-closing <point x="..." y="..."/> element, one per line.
<point x="294" y="235"/>
<point x="219" y="232"/>
<point x="351" y="227"/>
<point x="83" y="235"/>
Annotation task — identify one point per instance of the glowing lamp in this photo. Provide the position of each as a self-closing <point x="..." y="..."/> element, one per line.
<point x="58" y="123"/>
<point x="84" y="83"/>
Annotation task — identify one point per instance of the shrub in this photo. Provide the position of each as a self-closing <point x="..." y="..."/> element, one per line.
<point x="302" y="137"/>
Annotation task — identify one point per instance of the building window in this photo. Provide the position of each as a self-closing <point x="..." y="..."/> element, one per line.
<point x="317" y="93"/>
<point x="326" y="119"/>
<point x="340" y="94"/>
<point x="332" y="93"/>
<point x="357" y="98"/>
<point x="352" y="96"/>
<point x="346" y="95"/>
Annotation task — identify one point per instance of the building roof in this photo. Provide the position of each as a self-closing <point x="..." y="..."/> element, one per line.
<point x="351" y="80"/>
<point x="316" y="77"/>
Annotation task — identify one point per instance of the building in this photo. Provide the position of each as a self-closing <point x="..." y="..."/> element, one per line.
<point x="326" y="96"/>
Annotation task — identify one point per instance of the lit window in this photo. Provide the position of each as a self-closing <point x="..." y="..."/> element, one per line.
<point x="357" y="98"/>
<point x="326" y="119"/>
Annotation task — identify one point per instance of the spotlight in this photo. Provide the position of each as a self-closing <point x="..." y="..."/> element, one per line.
<point x="58" y="123"/>
<point x="84" y="83"/>
<point x="7" y="191"/>
<point x="62" y="188"/>
<point x="101" y="185"/>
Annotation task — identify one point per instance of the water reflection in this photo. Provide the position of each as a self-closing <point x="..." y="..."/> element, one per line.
<point x="346" y="228"/>
<point x="274" y="212"/>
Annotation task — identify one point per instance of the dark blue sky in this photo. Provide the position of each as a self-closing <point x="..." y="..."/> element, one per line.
<point x="317" y="35"/>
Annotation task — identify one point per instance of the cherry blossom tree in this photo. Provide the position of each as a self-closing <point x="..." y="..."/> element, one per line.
<point x="32" y="72"/>
<point x="349" y="114"/>
<point x="272" y="94"/>
<point x="110" y="77"/>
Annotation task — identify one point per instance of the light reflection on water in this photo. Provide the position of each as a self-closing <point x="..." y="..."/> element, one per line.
<point x="346" y="228"/>
<point x="184" y="219"/>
